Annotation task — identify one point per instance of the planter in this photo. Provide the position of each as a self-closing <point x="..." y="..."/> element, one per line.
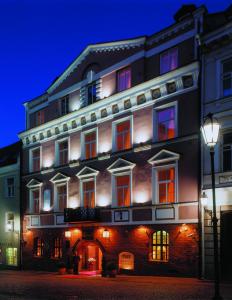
<point x="62" y="271"/>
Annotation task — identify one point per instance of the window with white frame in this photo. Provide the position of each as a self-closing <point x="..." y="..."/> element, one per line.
<point x="92" y="93"/>
<point x="123" y="189"/>
<point x="227" y="151"/>
<point x="63" y="152"/>
<point x="35" y="201"/>
<point x="88" y="193"/>
<point x="10" y="187"/>
<point x="227" y="77"/>
<point x="165" y="123"/>
<point x="168" y="60"/>
<point x="90" y="144"/>
<point x="122" y="135"/>
<point x="64" y="105"/>
<point x="35" y="159"/>
<point x="61" y="191"/>
<point x="9" y="222"/>
<point x="166" y="190"/>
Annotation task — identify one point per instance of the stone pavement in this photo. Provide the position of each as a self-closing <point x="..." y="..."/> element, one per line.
<point x="25" y="285"/>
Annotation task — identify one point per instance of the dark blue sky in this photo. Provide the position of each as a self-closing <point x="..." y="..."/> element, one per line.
<point x="39" y="39"/>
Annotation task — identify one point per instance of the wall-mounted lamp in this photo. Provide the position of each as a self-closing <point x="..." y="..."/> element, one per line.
<point x="105" y="234"/>
<point x="68" y="234"/>
<point x="183" y="228"/>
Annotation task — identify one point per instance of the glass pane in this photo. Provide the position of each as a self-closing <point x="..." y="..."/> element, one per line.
<point x="227" y="160"/>
<point x="227" y="138"/>
<point x="227" y="66"/>
<point x="162" y="193"/>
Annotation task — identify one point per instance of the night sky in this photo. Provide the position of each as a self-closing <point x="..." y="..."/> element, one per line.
<point x="40" y="38"/>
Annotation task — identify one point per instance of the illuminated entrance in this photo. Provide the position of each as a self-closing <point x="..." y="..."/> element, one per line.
<point x="90" y="255"/>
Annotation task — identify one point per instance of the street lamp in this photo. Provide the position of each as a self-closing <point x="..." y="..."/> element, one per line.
<point x="210" y="132"/>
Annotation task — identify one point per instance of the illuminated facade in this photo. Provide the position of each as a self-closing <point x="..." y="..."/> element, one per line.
<point x="10" y="206"/>
<point x="111" y="157"/>
<point x="217" y="99"/>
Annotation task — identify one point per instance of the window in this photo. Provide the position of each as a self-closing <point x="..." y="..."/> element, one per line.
<point x="168" y="60"/>
<point x="35" y="160"/>
<point x="123" y="193"/>
<point x="63" y="152"/>
<point x="35" y="201"/>
<point x="64" y="105"/>
<point x="160" y="246"/>
<point x="9" y="222"/>
<point x="227" y="151"/>
<point x="123" y="79"/>
<point x="227" y="77"/>
<point x="39" y="117"/>
<point x="166" y="185"/>
<point x="90" y="145"/>
<point x="126" y="261"/>
<point x="166" y="128"/>
<point x="38" y="247"/>
<point x="58" y="247"/>
<point x="11" y="256"/>
<point x="92" y="93"/>
<point x="62" y="197"/>
<point x="123" y="135"/>
<point x="88" y="193"/>
<point x="10" y="187"/>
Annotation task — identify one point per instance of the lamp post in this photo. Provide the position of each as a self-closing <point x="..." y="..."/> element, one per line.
<point x="210" y="132"/>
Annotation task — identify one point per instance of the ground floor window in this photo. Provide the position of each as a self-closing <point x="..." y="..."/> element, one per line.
<point x="38" y="247"/>
<point x="11" y="256"/>
<point x="126" y="261"/>
<point x="160" y="246"/>
<point x="57" y="247"/>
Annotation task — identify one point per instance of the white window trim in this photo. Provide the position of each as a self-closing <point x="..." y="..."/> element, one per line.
<point x="31" y="198"/>
<point x="6" y="221"/>
<point x="114" y="126"/>
<point x="219" y="67"/>
<point x="6" y="187"/>
<point x="57" y="142"/>
<point x="31" y="157"/>
<point x="56" y="185"/>
<point x="155" y="119"/>
<point x="82" y="180"/>
<point x="155" y="192"/>
<point x="83" y="134"/>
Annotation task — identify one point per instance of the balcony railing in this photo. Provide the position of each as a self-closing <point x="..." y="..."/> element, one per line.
<point x="81" y="214"/>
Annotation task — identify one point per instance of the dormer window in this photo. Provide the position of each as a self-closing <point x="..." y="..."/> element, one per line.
<point x="92" y="93"/>
<point x="123" y="79"/>
<point x="169" y="60"/>
<point x="64" y="105"/>
<point x="39" y="117"/>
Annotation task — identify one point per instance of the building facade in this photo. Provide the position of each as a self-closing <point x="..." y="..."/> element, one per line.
<point x="10" y="206"/>
<point x="111" y="157"/>
<point x="217" y="99"/>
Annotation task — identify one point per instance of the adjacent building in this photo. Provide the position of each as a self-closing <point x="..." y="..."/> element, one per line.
<point x="111" y="157"/>
<point x="217" y="99"/>
<point x="10" y="206"/>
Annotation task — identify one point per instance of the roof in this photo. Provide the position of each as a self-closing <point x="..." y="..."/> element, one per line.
<point x="9" y="154"/>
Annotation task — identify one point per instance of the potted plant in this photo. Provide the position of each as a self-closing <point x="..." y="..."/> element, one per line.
<point x="111" y="269"/>
<point x="61" y="268"/>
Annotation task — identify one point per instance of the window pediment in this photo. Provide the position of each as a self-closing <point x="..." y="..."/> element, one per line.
<point x="34" y="183"/>
<point x="164" y="156"/>
<point x="87" y="172"/>
<point x="120" y="164"/>
<point x="59" y="177"/>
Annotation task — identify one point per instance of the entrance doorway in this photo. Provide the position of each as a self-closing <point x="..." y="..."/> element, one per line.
<point x="226" y="241"/>
<point x="90" y="256"/>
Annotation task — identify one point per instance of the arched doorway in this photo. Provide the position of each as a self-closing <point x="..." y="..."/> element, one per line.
<point x="90" y="253"/>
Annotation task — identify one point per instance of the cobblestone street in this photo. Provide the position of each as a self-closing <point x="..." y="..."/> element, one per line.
<point x="16" y="285"/>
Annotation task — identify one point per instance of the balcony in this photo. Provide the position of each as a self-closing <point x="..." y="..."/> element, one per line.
<point x="81" y="214"/>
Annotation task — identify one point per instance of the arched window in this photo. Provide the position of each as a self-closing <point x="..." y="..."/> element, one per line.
<point x="160" y="246"/>
<point x="126" y="261"/>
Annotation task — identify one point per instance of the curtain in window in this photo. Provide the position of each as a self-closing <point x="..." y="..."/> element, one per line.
<point x="169" y="60"/>
<point x="62" y="197"/>
<point x="166" y="185"/>
<point x="90" y="145"/>
<point x="124" y="79"/>
<point x="63" y="152"/>
<point x="123" y="190"/>
<point x="123" y="139"/>
<point x="166" y="123"/>
<point x="89" y="194"/>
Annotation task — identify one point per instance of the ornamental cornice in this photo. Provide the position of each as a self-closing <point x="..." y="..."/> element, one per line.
<point x="145" y="94"/>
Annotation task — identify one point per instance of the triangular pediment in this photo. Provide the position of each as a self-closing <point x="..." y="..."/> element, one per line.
<point x="87" y="172"/>
<point x="164" y="156"/>
<point x="34" y="183"/>
<point x="120" y="164"/>
<point x="59" y="177"/>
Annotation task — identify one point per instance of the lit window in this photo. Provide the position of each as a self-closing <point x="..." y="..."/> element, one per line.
<point x="123" y="190"/>
<point x="89" y="193"/>
<point x="123" y="135"/>
<point x="92" y="93"/>
<point x="11" y="256"/>
<point x="10" y="187"/>
<point x="90" y="145"/>
<point x="63" y="152"/>
<point x="64" y="106"/>
<point x="35" y="157"/>
<point x="126" y="261"/>
<point x="9" y="222"/>
<point x="227" y="77"/>
<point x="38" y="247"/>
<point x="166" y="124"/>
<point x="227" y="151"/>
<point x="123" y="79"/>
<point x="57" y="247"/>
<point x="35" y="201"/>
<point x="160" y="246"/>
<point x="62" y="197"/>
<point x="168" y="60"/>
<point x="166" y="185"/>
<point x="39" y="117"/>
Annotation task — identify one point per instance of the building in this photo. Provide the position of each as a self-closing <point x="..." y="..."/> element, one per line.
<point x="111" y="157"/>
<point x="10" y="206"/>
<point x="217" y="99"/>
